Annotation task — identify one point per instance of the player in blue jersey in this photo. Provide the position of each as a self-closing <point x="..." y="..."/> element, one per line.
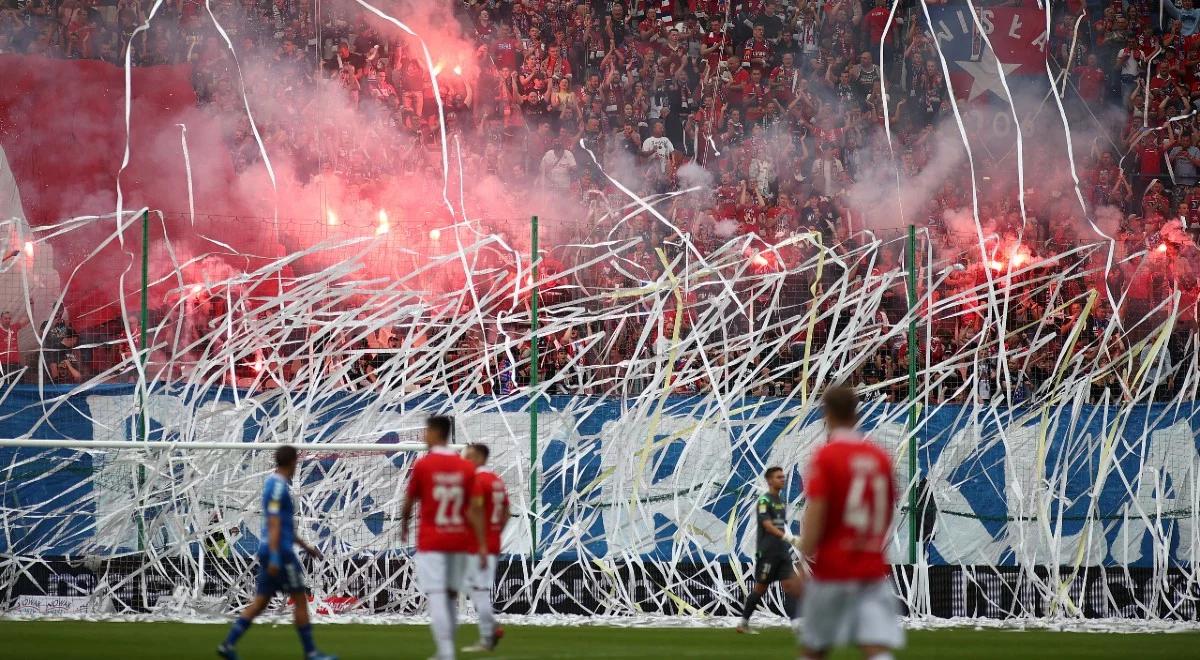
<point x="279" y="569"/>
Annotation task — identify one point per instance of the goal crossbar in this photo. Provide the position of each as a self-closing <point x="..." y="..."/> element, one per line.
<point x="330" y="447"/>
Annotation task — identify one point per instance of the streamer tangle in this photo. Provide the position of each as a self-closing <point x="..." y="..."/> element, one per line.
<point x="682" y="345"/>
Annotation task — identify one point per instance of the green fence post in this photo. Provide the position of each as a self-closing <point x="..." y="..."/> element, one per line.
<point x="911" y="267"/>
<point x="142" y="421"/>
<point x="534" y="258"/>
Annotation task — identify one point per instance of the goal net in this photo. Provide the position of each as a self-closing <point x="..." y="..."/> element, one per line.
<point x="176" y="529"/>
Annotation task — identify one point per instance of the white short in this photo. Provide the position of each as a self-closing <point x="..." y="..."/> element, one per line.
<point x="850" y="613"/>
<point x="481" y="578"/>
<point x="440" y="571"/>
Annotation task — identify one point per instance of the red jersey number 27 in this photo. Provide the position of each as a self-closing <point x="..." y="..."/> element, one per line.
<point x="867" y="515"/>
<point x="449" y="505"/>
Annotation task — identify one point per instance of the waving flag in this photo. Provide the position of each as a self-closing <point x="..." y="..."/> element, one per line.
<point x="1018" y="36"/>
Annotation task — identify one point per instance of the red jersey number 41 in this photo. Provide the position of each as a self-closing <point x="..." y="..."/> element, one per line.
<point x="868" y="517"/>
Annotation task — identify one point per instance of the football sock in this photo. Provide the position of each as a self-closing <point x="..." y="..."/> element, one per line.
<point x="482" y="598"/>
<point x="441" y="621"/>
<point x="236" y="631"/>
<point x="886" y="655"/>
<point x="306" y="640"/>
<point x="752" y="602"/>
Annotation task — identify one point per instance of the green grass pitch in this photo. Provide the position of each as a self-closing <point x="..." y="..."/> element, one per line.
<point x="69" y="640"/>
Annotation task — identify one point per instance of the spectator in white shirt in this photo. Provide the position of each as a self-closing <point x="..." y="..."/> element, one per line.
<point x="558" y="167"/>
<point x="827" y="171"/>
<point x="658" y="147"/>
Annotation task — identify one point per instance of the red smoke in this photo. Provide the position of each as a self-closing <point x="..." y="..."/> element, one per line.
<point x="62" y="128"/>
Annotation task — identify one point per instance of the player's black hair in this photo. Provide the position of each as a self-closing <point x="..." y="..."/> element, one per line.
<point x="841" y="404"/>
<point x="482" y="449"/>
<point x="772" y="470"/>
<point x="285" y="456"/>
<point x="443" y="424"/>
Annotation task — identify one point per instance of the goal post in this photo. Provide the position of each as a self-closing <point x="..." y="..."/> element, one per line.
<point x="172" y="527"/>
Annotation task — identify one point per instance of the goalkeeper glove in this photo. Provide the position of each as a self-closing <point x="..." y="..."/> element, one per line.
<point x="792" y="540"/>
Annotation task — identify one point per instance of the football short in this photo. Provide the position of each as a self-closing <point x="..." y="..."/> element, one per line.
<point x="773" y="568"/>
<point x="289" y="579"/>
<point x="840" y="613"/>
<point x="440" y="571"/>
<point x="481" y="578"/>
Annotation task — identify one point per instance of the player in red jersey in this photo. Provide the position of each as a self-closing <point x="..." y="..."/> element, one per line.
<point x="441" y="481"/>
<point x="488" y="511"/>
<point x="851" y="499"/>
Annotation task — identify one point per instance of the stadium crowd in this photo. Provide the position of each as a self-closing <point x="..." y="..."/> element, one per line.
<point x="777" y="106"/>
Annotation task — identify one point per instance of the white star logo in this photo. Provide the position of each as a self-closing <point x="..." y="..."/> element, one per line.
<point x="985" y="77"/>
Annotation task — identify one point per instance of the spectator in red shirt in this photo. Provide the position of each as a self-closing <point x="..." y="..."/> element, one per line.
<point x="650" y="29"/>
<point x="505" y="48"/>
<point x="1154" y="201"/>
<point x="787" y="74"/>
<point x="1149" y="159"/>
<point x="877" y="20"/>
<point x="711" y="50"/>
<point x="757" y="50"/>
<point x="1090" y="79"/>
<point x="754" y="92"/>
<point x="483" y="26"/>
<point x="557" y="64"/>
